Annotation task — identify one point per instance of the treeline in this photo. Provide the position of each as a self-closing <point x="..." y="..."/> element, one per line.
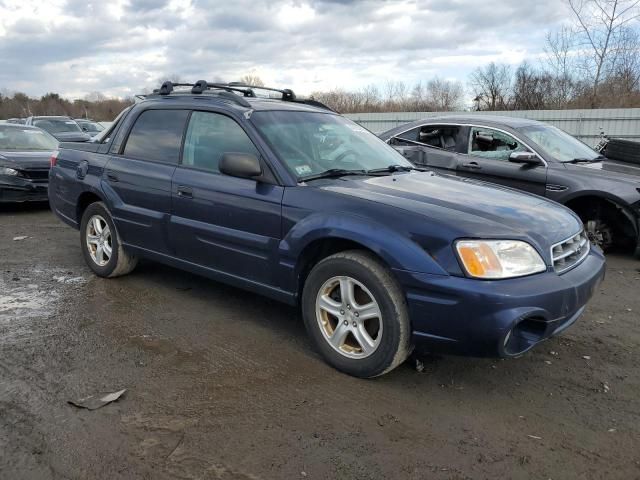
<point x="95" y="106"/>
<point x="436" y="95"/>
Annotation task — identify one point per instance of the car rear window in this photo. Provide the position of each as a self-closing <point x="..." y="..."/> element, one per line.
<point x="157" y="136"/>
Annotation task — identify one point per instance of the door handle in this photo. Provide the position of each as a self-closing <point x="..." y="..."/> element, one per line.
<point x="472" y="166"/>
<point x="112" y="177"/>
<point x="185" y="192"/>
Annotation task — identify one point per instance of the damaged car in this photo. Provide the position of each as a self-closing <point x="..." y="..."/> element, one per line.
<point x="285" y="198"/>
<point x="24" y="163"/>
<point x="534" y="157"/>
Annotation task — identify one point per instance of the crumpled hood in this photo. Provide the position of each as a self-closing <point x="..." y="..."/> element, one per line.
<point x="71" y="136"/>
<point x="25" y="160"/>
<point x="611" y="170"/>
<point x="468" y="207"/>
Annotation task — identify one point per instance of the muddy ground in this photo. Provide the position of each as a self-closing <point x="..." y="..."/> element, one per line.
<point x="223" y="384"/>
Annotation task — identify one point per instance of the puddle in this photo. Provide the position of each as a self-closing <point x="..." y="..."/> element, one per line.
<point x="26" y="298"/>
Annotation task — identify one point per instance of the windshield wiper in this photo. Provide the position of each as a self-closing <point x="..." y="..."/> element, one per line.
<point x="332" y="173"/>
<point x="395" y="168"/>
<point x="587" y="160"/>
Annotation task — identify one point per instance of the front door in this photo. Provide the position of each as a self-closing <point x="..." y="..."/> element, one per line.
<point x="487" y="158"/>
<point x="231" y="225"/>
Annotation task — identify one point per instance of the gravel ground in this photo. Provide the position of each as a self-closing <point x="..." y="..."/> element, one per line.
<point x="223" y="384"/>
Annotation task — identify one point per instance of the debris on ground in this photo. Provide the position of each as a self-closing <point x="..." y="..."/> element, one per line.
<point x="419" y="366"/>
<point x="68" y="280"/>
<point x="18" y="239"/>
<point x="605" y="387"/>
<point x="534" y="437"/>
<point x="586" y="357"/>
<point x="386" y="419"/>
<point x="93" y="402"/>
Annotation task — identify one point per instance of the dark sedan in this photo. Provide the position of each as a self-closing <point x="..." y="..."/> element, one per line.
<point x="24" y="163"/>
<point x="65" y="129"/>
<point x="534" y="157"/>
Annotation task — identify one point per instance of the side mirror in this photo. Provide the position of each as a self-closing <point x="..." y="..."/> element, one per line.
<point x="528" y="158"/>
<point x="85" y="129"/>
<point x="242" y="165"/>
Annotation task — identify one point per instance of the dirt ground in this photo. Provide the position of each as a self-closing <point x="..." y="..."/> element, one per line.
<point x="223" y="384"/>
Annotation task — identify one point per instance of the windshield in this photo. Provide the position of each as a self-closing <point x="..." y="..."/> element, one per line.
<point x="57" y="125"/>
<point x="559" y="144"/>
<point x="26" y="139"/>
<point x="311" y="143"/>
<point x="91" y="126"/>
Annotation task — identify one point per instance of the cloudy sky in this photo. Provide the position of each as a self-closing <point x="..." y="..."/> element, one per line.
<point x="119" y="47"/>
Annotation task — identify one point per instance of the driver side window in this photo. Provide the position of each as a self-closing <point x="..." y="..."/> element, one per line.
<point x="492" y="144"/>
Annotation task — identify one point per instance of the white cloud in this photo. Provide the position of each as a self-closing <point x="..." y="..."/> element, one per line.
<point x="119" y="47"/>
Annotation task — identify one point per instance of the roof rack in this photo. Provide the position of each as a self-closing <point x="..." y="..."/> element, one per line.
<point x="226" y="90"/>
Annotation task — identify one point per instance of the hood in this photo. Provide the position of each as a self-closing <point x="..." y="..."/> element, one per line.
<point x="25" y="160"/>
<point x="610" y="169"/>
<point x="469" y="208"/>
<point x="71" y="136"/>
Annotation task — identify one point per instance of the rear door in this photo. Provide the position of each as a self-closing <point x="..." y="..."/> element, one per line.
<point x="138" y="178"/>
<point x="487" y="158"/>
<point x="229" y="224"/>
<point x="432" y="146"/>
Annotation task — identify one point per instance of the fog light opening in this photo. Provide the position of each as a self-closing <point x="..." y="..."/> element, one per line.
<point x="524" y="335"/>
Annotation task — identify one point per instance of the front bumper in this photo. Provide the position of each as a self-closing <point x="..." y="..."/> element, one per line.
<point x="18" y="189"/>
<point x="497" y="318"/>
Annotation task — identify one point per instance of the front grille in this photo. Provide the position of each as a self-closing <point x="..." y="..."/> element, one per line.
<point x="570" y="252"/>
<point x="35" y="173"/>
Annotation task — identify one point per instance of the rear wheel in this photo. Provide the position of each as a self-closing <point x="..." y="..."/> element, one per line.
<point x="356" y="314"/>
<point x="101" y="245"/>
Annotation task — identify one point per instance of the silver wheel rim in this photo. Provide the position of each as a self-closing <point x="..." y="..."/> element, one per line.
<point x="99" y="240"/>
<point x="349" y="317"/>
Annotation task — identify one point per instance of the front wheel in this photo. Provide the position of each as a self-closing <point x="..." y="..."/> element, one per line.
<point x="356" y="314"/>
<point x="101" y="245"/>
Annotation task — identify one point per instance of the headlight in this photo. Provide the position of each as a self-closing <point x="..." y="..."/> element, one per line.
<point x="8" y="171"/>
<point x="491" y="259"/>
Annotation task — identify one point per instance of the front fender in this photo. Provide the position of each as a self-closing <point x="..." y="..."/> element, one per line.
<point x="396" y="249"/>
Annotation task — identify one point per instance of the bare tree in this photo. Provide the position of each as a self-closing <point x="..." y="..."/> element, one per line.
<point x="491" y="86"/>
<point x="599" y="24"/>
<point x="444" y="95"/>
<point x="560" y="63"/>
<point x="250" y="79"/>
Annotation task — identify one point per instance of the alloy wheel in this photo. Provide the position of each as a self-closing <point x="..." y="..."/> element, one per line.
<point x="349" y="317"/>
<point x="99" y="240"/>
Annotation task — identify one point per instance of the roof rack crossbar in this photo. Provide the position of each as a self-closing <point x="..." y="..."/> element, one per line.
<point x="246" y="90"/>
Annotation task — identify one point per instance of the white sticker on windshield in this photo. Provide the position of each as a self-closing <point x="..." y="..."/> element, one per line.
<point x="70" y="122"/>
<point x="33" y="132"/>
<point x="356" y="128"/>
<point x="303" y="170"/>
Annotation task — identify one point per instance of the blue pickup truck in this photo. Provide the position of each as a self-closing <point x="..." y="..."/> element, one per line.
<point x="285" y="198"/>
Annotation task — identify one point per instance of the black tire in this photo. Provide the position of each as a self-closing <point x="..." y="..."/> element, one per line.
<point x="395" y="343"/>
<point x="120" y="262"/>
<point x="623" y="151"/>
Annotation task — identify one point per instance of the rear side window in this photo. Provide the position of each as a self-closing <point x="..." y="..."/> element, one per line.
<point x="438" y="136"/>
<point x="157" y="136"/>
<point x="209" y="136"/>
